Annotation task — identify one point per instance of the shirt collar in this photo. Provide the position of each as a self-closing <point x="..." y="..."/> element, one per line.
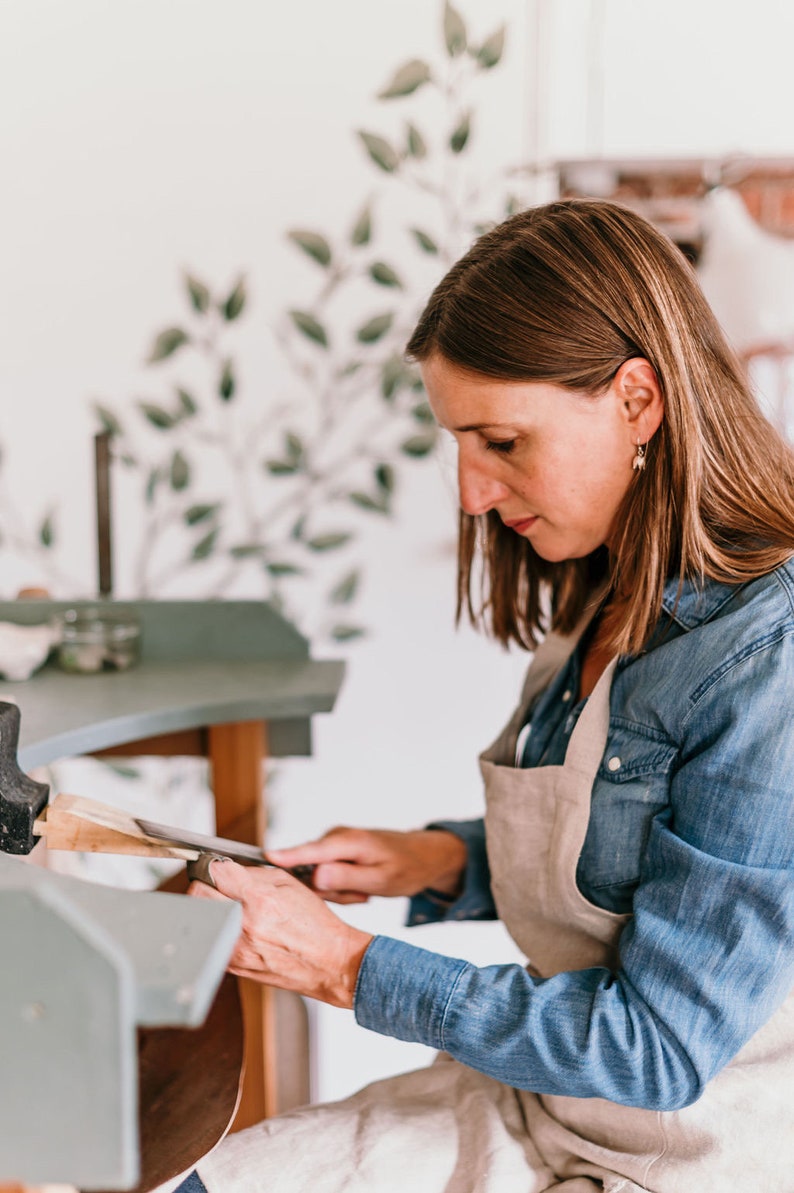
<point x="699" y="600"/>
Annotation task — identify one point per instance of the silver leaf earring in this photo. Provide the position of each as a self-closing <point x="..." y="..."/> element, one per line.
<point x="638" y="462"/>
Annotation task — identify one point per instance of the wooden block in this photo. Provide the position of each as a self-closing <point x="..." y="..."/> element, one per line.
<point x="72" y="822"/>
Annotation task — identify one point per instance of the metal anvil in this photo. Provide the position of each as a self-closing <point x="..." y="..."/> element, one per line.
<point x="83" y="966"/>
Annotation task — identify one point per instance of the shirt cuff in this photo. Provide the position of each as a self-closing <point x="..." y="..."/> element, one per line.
<point x="475" y="902"/>
<point x="404" y="991"/>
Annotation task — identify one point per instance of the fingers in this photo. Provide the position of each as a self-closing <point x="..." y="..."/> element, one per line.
<point x="338" y="844"/>
<point x="353" y="862"/>
<point x="201" y="890"/>
<point x="289" y="937"/>
<point x="352" y="879"/>
<point x="229" y="877"/>
<point x="230" y="881"/>
<point x="247" y="883"/>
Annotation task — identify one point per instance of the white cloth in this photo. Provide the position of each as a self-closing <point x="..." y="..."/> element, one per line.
<point x="444" y="1129"/>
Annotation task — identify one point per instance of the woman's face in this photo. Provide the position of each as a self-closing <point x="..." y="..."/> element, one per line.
<point x="554" y="464"/>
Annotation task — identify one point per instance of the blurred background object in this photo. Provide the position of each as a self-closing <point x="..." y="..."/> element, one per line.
<point x="733" y="218"/>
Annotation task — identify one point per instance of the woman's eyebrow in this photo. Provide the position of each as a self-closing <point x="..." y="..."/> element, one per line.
<point x="486" y="426"/>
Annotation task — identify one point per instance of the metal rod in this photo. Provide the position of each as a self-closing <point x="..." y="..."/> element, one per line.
<point x="104" y="553"/>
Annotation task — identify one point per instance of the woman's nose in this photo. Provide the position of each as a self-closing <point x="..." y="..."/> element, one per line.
<point x="478" y="490"/>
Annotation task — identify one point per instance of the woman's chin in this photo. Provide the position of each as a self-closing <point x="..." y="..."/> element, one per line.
<point x="561" y="552"/>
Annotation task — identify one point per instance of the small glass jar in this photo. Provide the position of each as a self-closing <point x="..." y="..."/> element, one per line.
<point x="98" y="640"/>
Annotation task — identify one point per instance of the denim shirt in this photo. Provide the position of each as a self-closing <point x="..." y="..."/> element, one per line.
<point x="691" y="830"/>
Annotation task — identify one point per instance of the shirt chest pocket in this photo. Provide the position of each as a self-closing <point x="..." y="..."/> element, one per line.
<point x="631" y="787"/>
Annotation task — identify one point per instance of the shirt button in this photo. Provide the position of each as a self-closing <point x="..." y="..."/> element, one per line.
<point x="614" y="763"/>
<point x="566" y="694"/>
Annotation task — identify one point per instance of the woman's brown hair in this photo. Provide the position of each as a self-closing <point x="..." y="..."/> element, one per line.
<point x="566" y="293"/>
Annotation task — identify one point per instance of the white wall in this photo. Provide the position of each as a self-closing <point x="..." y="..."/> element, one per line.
<point x="138" y="138"/>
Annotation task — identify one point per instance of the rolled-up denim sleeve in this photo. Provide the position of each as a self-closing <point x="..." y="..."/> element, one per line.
<point x="475" y="901"/>
<point x="706" y="959"/>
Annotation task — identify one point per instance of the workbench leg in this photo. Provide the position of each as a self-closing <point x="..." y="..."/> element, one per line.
<point x="237" y="754"/>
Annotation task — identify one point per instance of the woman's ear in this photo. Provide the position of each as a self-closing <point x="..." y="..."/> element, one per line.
<point x="637" y="388"/>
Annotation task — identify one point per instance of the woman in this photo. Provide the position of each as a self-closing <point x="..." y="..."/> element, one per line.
<point x="620" y="489"/>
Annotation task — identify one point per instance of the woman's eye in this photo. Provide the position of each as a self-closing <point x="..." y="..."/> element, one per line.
<point x="505" y="446"/>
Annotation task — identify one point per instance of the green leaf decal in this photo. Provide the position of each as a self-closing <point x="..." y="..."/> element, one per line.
<point x="376" y="505"/>
<point x="346" y="633"/>
<point x="348" y="370"/>
<point x="180" y="472"/>
<point x="245" y="550"/>
<point x="460" y="136"/>
<point x="152" y="481"/>
<point x="281" y="467"/>
<point x="311" y="327"/>
<point x="198" y="293"/>
<point x="418" y="445"/>
<point x="123" y="771"/>
<point x="410" y="76"/>
<point x="312" y="243"/>
<point x="167" y="343"/>
<point x="343" y="592"/>
<point x="226" y="384"/>
<point x="490" y="52"/>
<point x="108" y="419"/>
<point x="233" y="306"/>
<point x="393" y="375"/>
<point x="205" y="546"/>
<point x="362" y="229"/>
<point x="283" y="569"/>
<point x="382" y="153"/>
<point x="454" y="31"/>
<point x="200" y="513"/>
<point x="329" y="542"/>
<point x="383" y="274"/>
<point x="422" y="413"/>
<point x="187" y="402"/>
<point x="47" y="532"/>
<point x="425" y="242"/>
<point x="158" y="417"/>
<point x="385" y="478"/>
<point x="415" y="142"/>
<point x="293" y="460"/>
<point x="295" y="447"/>
<point x="374" y="329"/>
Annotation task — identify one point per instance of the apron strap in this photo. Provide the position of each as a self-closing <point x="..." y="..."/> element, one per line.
<point x="549" y="657"/>
<point x="553" y="652"/>
<point x="589" y="738"/>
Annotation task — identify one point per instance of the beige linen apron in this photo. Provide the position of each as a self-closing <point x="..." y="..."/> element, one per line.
<point x="449" y="1129"/>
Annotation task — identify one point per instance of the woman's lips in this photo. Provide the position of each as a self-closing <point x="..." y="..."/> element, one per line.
<point x="522" y="525"/>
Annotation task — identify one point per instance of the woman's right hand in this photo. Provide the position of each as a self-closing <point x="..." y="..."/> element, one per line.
<point x="352" y="863"/>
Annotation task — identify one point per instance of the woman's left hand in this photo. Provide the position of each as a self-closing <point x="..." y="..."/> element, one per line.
<point x="290" y="937"/>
